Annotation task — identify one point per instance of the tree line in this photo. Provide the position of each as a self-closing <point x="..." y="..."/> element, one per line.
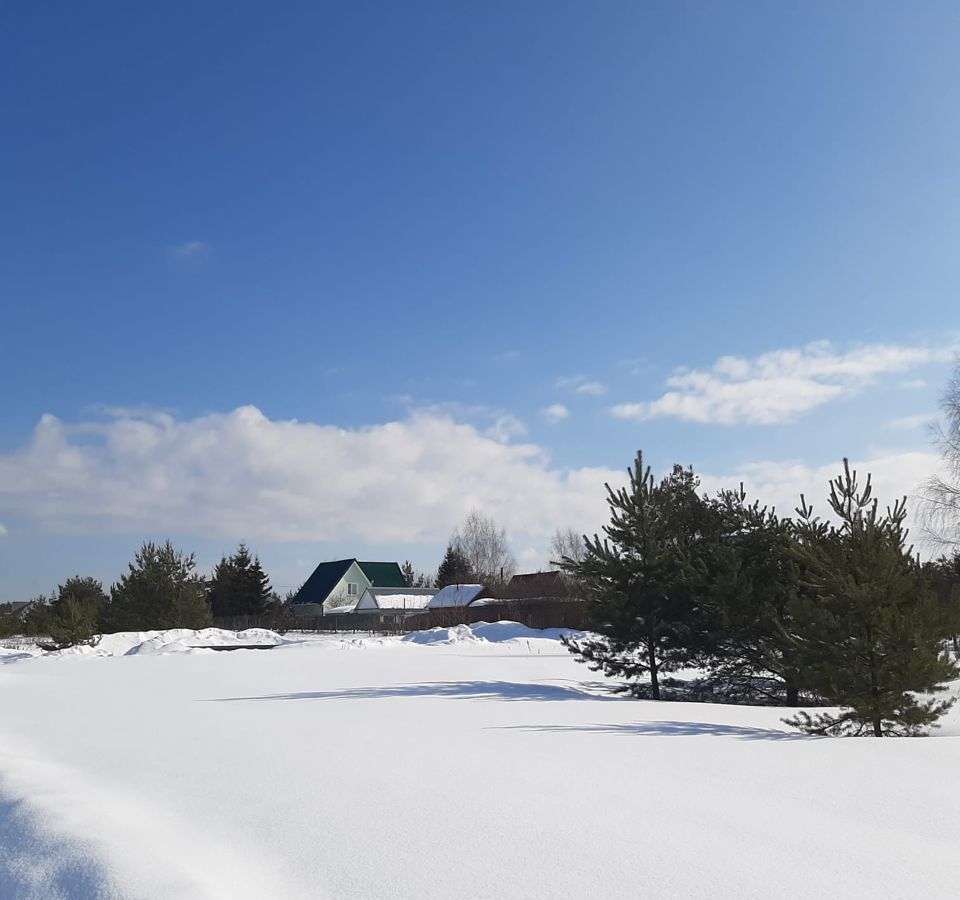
<point x="161" y="589"/>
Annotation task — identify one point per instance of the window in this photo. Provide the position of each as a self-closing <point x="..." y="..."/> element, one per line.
<point x="351" y="589"/>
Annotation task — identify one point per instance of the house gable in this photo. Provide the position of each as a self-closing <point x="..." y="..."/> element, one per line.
<point x="335" y="583"/>
<point x="349" y="589"/>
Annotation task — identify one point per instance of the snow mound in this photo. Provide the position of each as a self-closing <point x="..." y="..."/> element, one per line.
<point x="185" y="640"/>
<point x="486" y="632"/>
<point x="135" y="643"/>
<point x="458" y="634"/>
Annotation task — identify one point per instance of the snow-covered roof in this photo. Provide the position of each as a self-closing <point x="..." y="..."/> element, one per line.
<point x="340" y="610"/>
<point x="396" y="598"/>
<point x="456" y="595"/>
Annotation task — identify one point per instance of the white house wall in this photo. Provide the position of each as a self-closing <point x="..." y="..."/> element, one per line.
<point x="339" y="596"/>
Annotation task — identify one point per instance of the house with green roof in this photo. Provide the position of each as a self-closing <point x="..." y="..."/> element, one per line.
<point x="341" y="583"/>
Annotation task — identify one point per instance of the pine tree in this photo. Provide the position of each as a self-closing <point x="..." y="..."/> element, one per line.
<point x="72" y="623"/>
<point x="160" y="590"/>
<point x="645" y="580"/>
<point x="754" y="579"/>
<point x="454" y="569"/>
<point x="944" y="574"/>
<point x="74" y="614"/>
<point x="409" y="574"/>
<point x="870" y="627"/>
<point x="39" y="616"/>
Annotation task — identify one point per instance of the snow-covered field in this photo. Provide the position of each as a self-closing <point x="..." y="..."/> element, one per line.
<point x="479" y="763"/>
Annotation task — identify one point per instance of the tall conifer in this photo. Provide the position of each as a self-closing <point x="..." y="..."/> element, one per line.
<point x="645" y="580"/>
<point x="871" y="630"/>
<point x="160" y="590"/>
<point x="454" y="568"/>
<point x="239" y="586"/>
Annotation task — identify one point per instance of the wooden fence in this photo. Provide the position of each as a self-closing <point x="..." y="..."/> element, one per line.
<point x="534" y="613"/>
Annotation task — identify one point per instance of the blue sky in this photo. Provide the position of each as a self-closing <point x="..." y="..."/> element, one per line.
<point x="457" y="218"/>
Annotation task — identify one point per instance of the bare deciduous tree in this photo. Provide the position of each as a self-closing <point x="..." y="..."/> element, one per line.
<point x="484" y="544"/>
<point x="942" y="491"/>
<point x="566" y="544"/>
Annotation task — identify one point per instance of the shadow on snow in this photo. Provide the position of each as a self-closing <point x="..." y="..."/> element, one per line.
<point x="674" y="729"/>
<point x="508" y="690"/>
<point x="476" y="690"/>
<point x="36" y="865"/>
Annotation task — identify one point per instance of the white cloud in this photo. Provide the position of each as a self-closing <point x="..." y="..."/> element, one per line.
<point x="777" y="386"/>
<point x="592" y="388"/>
<point x="580" y="384"/>
<point x="554" y="413"/>
<point x="505" y="428"/>
<point x="4" y="531"/>
<point x="190" y="250"/>
<point x="241" y="475"/>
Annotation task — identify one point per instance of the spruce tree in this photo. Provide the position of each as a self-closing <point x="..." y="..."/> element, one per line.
<point x="239" y="586"/>
<point x="259" y="593"/>
<point x="222" y="588"/>
<point x="160" y="590"/>
<point x="870" y="628"/>
<point x="645" y="580"/>
<point x="454" y="568"/>
<point x="409" y="573"/>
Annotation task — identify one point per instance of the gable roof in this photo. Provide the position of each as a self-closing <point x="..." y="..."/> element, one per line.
<point x="456" y="595"/>
<point x="383" y="574"/>
<point x="324" y="579"/>
<point x="396" y="598"/>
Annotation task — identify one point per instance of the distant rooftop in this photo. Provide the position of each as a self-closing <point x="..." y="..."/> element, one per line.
<point x="456" y="595"/>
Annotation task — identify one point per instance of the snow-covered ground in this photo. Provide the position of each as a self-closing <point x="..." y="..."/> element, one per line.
<point x="477" y="762"/>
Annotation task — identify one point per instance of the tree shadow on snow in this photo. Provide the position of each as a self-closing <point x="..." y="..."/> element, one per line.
<point x="675" y="729"/>
<point x="35" y="865"/>
<point x="475" y="690"/>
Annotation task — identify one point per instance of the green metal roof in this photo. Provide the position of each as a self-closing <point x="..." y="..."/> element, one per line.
<point x="325" y="577"/>
<point x="383" y="574"/>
